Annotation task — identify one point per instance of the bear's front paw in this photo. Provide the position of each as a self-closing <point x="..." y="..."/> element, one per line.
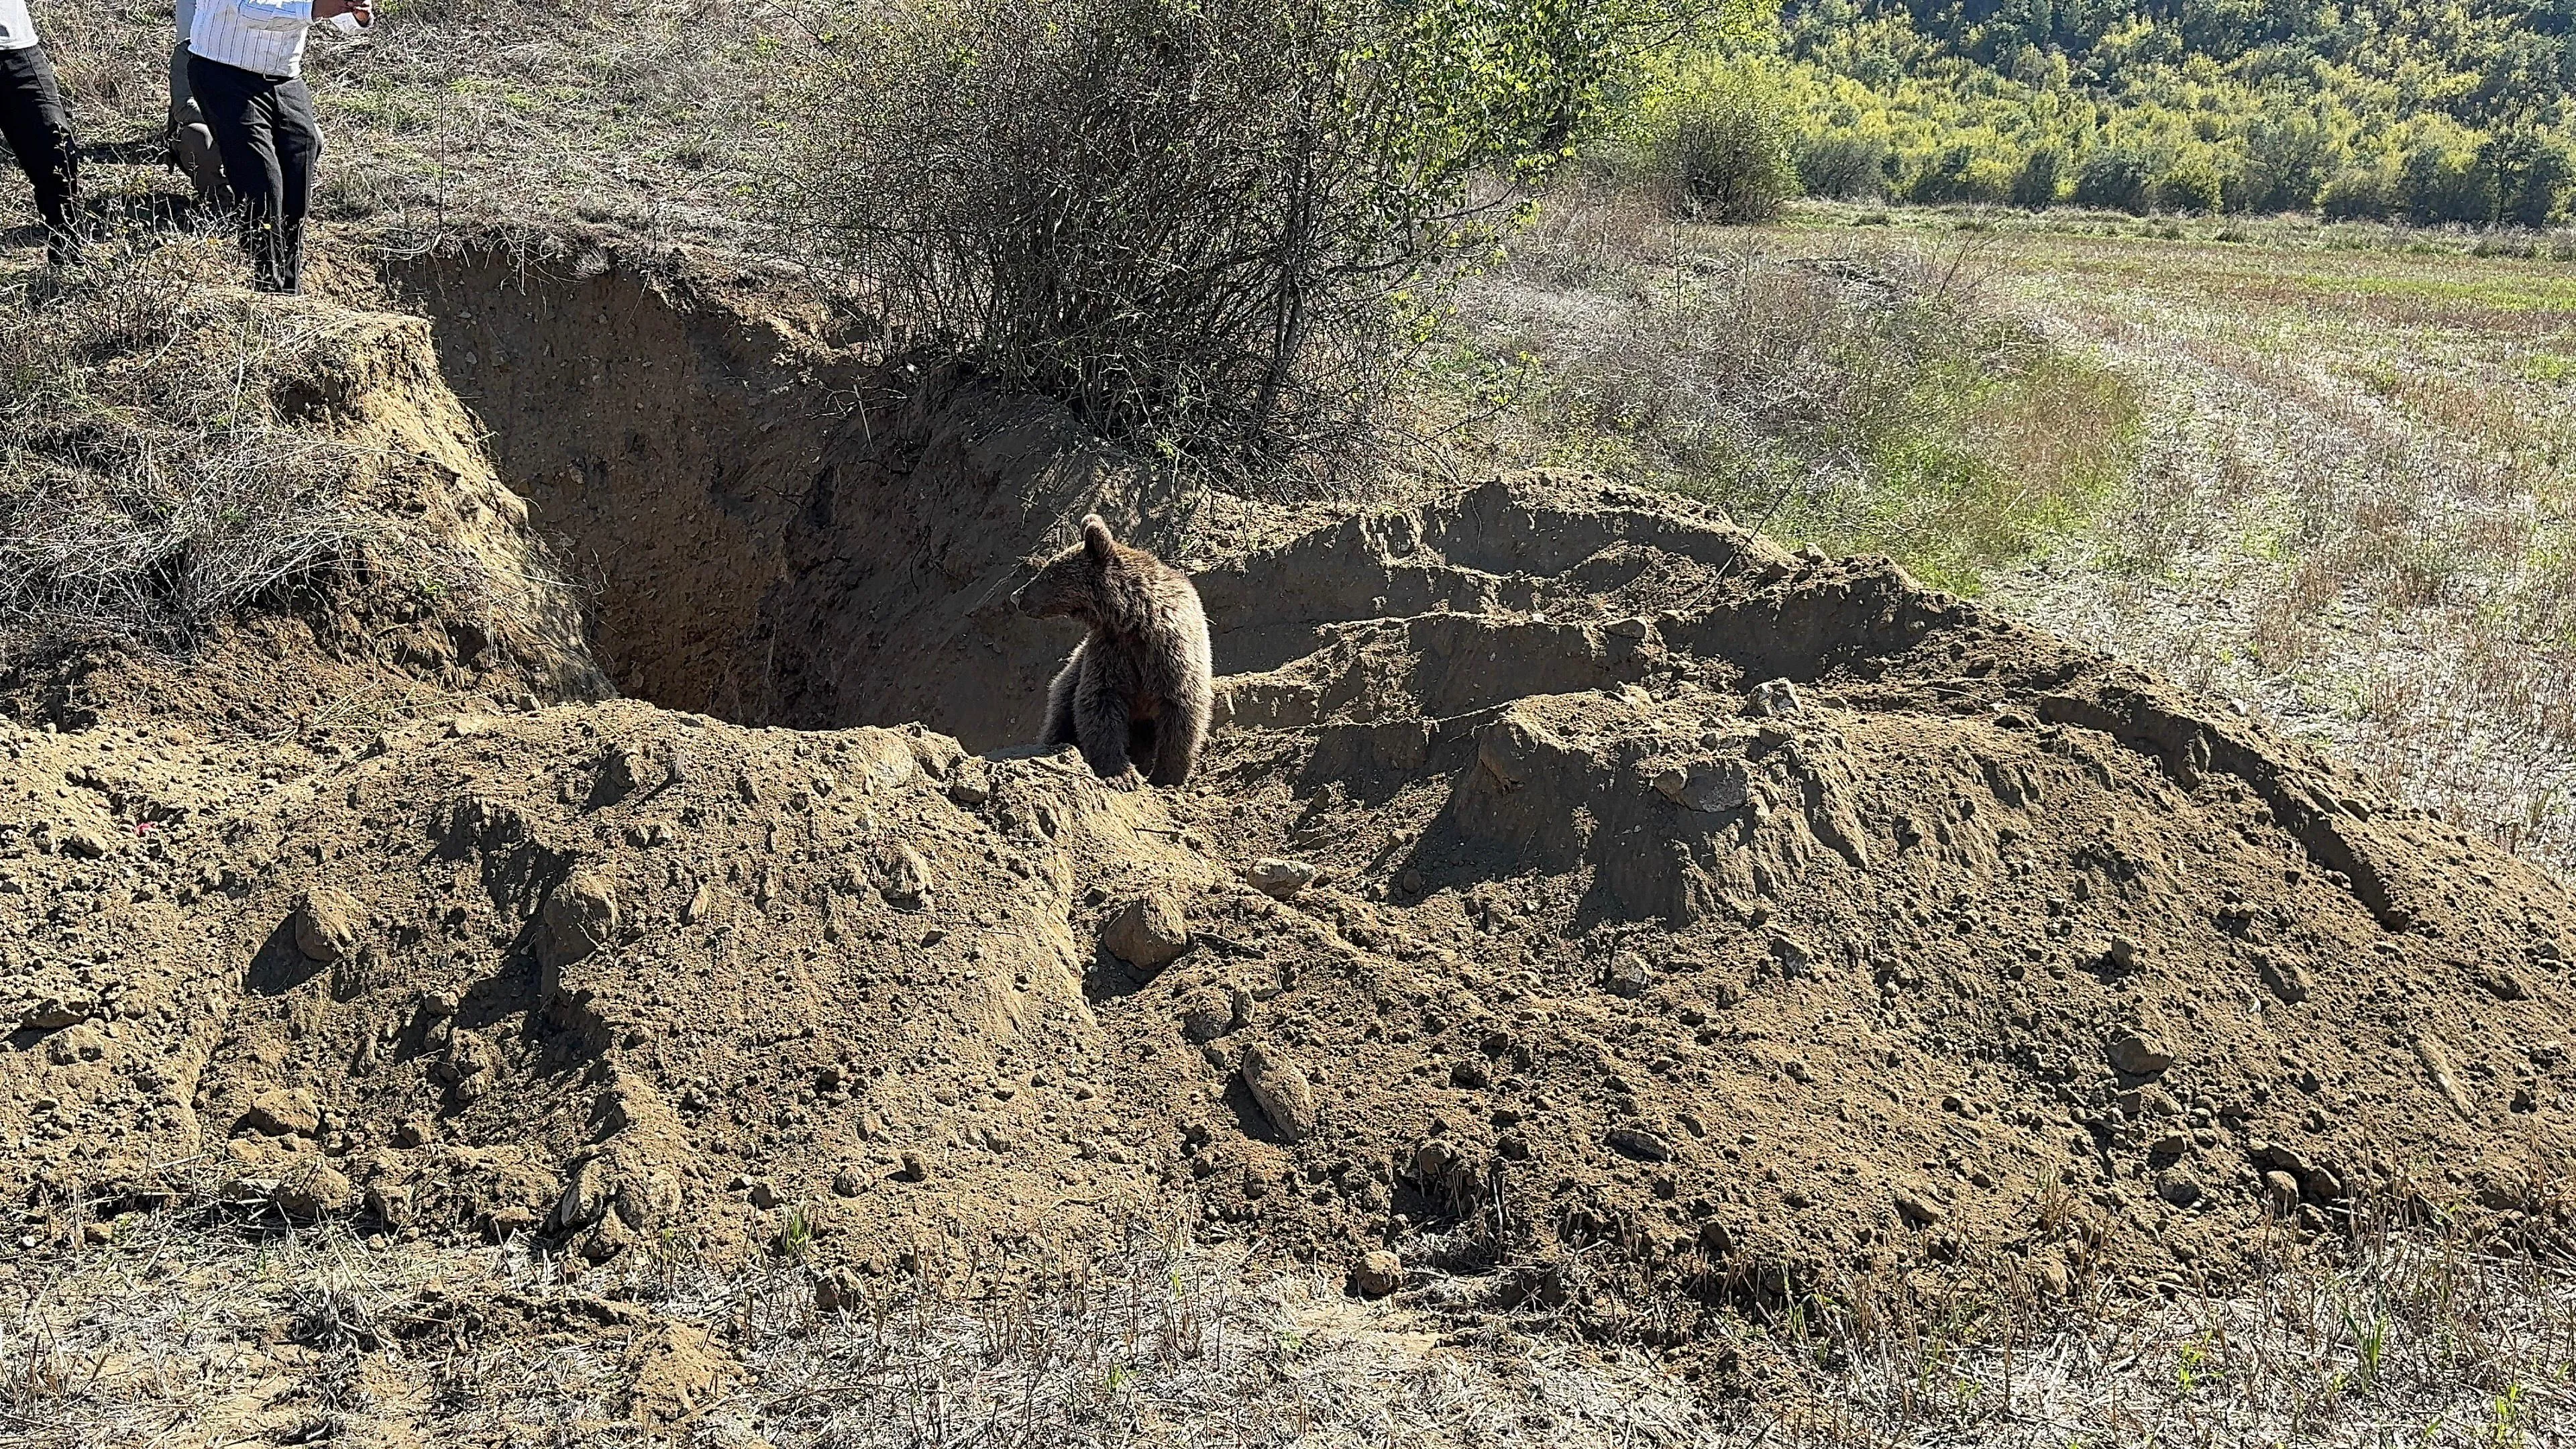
<point x="1126" y="779"/>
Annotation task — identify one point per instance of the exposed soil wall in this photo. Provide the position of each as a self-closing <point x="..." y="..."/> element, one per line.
<point x="776" y="532"/>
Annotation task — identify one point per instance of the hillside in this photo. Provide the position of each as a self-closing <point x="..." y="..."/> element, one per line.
<point x="2434" y="113"/>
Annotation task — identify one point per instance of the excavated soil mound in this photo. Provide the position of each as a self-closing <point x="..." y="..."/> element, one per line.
<point x="1637" y="906"/>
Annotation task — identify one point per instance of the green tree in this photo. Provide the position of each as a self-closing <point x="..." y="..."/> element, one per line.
<point x="2116" y="178"/>
<point x="2042" y="175"/>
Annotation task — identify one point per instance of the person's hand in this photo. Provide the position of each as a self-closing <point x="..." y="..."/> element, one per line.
<point x="362" y="9"/>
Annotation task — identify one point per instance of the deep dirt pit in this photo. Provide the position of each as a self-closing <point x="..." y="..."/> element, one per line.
<point x="1983" y="950"/>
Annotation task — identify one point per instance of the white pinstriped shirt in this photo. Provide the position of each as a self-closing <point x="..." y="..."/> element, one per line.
<point x="17" y="27"/>
<point x="264" y="36"/>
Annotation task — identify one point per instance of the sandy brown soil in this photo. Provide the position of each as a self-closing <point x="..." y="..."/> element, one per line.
<point x="1735" y="924"/>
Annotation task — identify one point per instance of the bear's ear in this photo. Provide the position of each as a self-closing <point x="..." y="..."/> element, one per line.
<point x="1095" y="536"/>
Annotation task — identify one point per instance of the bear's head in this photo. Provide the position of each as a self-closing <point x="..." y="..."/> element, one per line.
<point x="1089" y="581"/>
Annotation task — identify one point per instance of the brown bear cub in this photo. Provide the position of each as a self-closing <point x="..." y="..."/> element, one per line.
<point x="1136" y="693"/>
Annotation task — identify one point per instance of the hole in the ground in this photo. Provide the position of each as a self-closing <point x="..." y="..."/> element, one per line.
<point x="768" y="535"/>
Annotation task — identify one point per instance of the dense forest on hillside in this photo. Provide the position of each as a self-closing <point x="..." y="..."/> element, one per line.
<point x="2428" y="110"/>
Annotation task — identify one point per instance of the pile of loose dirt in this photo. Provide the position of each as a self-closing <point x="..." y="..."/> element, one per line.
<point x="1642" y="905"/>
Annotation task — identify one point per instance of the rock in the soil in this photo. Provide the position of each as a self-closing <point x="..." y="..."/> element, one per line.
<point x="312" y="1192"/>
<point x="81" y="1043"/>
<point x="2288" y="980"/>
<point x="1207" y="1015"/>
<point x="1639" y="1143"/>
<point x="579" y="917"/>
<point x="837" y="1289"/>
<point x="1379" y="1273"/>
<point x="2144" y="1048"/>
<point x="1147" y="932"/>
<point x="903" y="878"/>
<point x="645" y="1198"/>
<point x="84" y="844"/>
<point x="53" y="1013"/>
<point x="972" y="785"/>
<point x="2178" y="1186"/>
<point x="2437" y="1065"/>
<point x="1774" y="698"/>
<point x="622" y="774"/>
<point x="284" y="1112"/>
<point x="1629" y="975"/>
<point x="1712" y="787"/>
<point x="2123" y="952"/>
<point x="1279" y="878"/>
<point x="585" y="1196"/>
<point x="2281" y="1190"/>
<point x="1280" y="1086"/>
<point x="849" y="1181"/>
<point x="1918" y="1207"/>
<point x="327" y="922"/>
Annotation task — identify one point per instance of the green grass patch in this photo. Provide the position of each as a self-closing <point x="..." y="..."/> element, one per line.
<point x="1865" y="405"/>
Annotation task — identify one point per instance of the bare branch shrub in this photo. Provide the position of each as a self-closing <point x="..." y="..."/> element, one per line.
<point x="1215" y="229"/>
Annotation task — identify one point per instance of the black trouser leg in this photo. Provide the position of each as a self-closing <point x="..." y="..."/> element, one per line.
<point x="265" y="132"/>
<point x="298" y="139"/>
<point x="39" y="133"/>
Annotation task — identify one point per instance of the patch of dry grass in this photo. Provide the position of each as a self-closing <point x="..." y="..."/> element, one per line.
<point x="151" y="477"/>
<point x="2354" y="513"/>
<point x="1863" y="399"/>
<point x="203" y="1327"/>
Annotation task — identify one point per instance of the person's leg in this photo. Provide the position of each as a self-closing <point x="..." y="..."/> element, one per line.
<point x="192" y="141"/>
<point x="298" y="137"/>
<point x="39" y="133"/>
<point x="235" y="105"/>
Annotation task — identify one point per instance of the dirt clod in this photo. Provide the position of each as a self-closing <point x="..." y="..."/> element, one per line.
<point x="579" y="917"/>
<point x="2144" y="1048"/>
<point x="1279" y="878"/>
<point x="1282" y="1089"/>
<point x="1377" y="1274"/>
<point x="327" y="923"/>
<point x="1148" y="932"/>
<point x="284" y="1112"/>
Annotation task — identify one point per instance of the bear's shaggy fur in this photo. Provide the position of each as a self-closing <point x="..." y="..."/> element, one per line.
<point x="1136" y="693"/>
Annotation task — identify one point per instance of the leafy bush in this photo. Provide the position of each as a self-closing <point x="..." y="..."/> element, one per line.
<point x="1843" y="167"/>
<point x="2361" y="193"/>
<point x="2116" y="178"/>
<point x="2042" y="175"/>
<point x="1959" y="172"/>
<point x="2441" y="181"/>
<point x="2532" y="175"/>
<point x="2191" y="183"/>
<point x="1725" y="149"/>
<point x="1205" y="224"/>
<point x="2289" y="156"/>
